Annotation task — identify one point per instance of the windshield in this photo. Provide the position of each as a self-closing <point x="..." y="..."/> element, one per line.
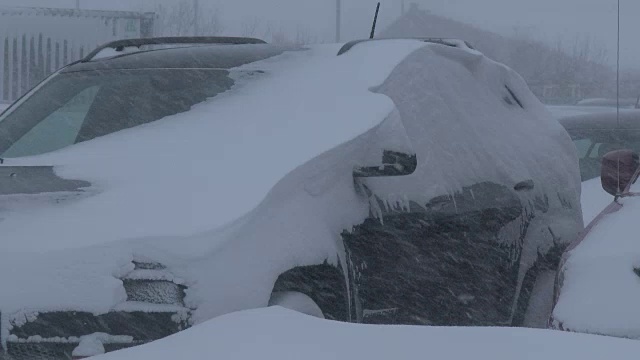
<point x="80" y="106"/>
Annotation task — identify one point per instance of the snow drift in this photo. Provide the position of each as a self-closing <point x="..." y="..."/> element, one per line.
<point x="276" y="333"/>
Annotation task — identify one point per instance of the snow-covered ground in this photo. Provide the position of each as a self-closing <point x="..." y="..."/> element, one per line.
<point x="276" y="333"/>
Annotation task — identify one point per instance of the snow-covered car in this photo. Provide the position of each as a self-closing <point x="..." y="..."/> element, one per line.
<point x="598" y="283"/>
<point x="388" y="181"/>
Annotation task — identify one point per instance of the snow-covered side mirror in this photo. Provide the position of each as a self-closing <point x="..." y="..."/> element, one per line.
<point x="619" y="170"/>
<point x="393" y="164"/>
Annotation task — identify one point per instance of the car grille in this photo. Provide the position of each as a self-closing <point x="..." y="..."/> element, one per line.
<point x="154" y="309"/>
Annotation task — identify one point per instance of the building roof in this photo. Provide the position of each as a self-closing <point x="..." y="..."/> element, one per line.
<point x="42" y="11"/>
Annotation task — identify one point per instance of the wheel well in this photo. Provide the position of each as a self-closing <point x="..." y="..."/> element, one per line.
<point x="324" y="283"/>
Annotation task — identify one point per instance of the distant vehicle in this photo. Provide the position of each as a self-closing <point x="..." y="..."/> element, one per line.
<point x="561" y="111"/>
<point x="598" y="282"/>
<point x="626" y="102"/>
<point x="146" y="190"/>
<point x="599" y="133"/>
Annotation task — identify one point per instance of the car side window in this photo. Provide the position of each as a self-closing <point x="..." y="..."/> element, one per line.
<point x="82" y="106"/>
<point x="58" y="130"/>
<point x="583" y="146"/>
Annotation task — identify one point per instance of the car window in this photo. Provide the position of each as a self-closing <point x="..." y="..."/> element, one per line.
<point x="593" y="144"/>
<point x="57" y="130"/>
<point x="77" y="107"/>
<point x="583" y="146"/>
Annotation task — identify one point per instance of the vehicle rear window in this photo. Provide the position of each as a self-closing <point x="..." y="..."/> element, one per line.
<point x="80" y="106"/>
<point x="593" y="144"/>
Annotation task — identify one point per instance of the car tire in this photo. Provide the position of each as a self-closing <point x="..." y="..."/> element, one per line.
<point x="296" y="301"/>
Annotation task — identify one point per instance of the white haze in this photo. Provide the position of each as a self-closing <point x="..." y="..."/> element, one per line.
<point x="548" y="20"/>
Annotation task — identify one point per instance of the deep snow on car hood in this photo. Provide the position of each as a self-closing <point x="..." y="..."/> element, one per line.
<point x="198" y="170"/>
<point x="277" y="333"/>
<point x="600" y="291"/>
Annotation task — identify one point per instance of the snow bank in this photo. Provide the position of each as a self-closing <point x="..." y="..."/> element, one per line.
<point x="196" y="171"/>
<point x="601" y="291"/>
<point x="276" y="333"/>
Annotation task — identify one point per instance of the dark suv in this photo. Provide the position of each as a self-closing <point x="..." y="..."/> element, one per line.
<point x="405" y="181"/>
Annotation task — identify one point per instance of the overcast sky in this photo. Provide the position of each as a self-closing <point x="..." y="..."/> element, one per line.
<point x="543" y="19"/>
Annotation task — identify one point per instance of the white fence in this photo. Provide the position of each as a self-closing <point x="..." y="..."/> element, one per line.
<point x="34" y="42"/>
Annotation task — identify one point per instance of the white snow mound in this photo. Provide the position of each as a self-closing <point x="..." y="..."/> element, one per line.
<point x="276" y="333"/>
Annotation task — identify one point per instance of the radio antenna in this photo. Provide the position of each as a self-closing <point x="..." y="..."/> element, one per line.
<point x="618" y="72"/>
<point x="375" y="20"/>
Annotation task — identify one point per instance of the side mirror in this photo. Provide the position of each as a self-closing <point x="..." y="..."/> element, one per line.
<point x="393" y="164"/>
<point x="619" y="170"/>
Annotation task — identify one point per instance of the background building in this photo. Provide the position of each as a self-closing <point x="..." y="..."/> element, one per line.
<point x="34" y="42"/>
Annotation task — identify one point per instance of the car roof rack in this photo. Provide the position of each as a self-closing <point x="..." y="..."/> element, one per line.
<point x="120" y="45"/>
<point x="443" y="41"/>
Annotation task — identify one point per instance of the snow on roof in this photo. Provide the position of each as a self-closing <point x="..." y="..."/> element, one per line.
<point x="278" y="333"/>
<point x="601" y="290"/>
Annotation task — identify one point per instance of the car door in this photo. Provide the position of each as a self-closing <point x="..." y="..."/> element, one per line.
<point x="440" y="263"/>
